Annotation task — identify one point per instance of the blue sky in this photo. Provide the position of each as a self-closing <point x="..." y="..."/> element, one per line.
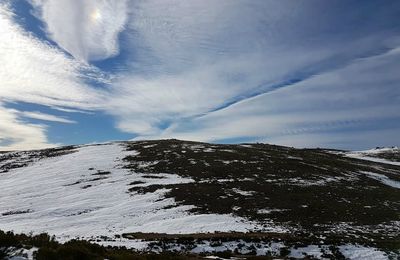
<point x="298" y="73"/>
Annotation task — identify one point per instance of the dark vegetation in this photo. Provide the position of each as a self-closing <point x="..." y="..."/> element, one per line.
<point x="102" y="173"/>
<point x="7" y="160"/>
<point x="49" y="249"/>
<point x="17" y="212"/>
<point x="305" y="190"/>
<point x="294" y="239"/>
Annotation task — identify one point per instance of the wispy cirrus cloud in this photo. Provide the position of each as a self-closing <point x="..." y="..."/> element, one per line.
<point x="212" y="70"/>
<point x="338" y="108"/>
<point x="190" y="64"/>
<point x="35" y="72"/>
<point x="88" y="30"/>
<point x="45" y="117"/>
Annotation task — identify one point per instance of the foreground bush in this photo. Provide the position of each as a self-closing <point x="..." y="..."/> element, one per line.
<point x="49" y="249"/>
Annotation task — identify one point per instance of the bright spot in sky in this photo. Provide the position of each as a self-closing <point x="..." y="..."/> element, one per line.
<point x="95" y="15"/>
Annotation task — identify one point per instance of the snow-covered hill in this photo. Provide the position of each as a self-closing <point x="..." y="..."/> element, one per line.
<point x="382" y="155"/>
<point x="135" y="193"/>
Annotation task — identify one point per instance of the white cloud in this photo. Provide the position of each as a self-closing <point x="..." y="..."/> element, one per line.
<point x="189" y="58"/>
<point x="16" y="134"/>
<point x="88" y="30"/>
<point x="194" y="57"/>
<point x="310" y="112"/>
<point x="45" y="117"/>
<point x="35" y="72"/>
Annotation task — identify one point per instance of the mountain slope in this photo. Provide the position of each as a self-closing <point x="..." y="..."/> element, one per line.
<point x="130" y="193"/>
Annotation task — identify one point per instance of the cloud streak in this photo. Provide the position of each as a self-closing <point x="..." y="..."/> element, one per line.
<point x="16" y="134"/>
<point x="45" y="117"/>
<point x="349" y="98"/>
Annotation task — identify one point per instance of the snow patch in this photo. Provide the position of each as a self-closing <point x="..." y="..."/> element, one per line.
<point x="383" y="179"/>
<point x="364" y="155"/>
<point x="302" y="252"/>
<point x="243" y="193"/>
<point x="357" y="252"/>
<point x="269" y="211"/>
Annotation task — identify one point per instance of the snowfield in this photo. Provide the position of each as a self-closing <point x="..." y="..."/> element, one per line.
<point x="172" y="195"/>
<point x="85" y="194"/>
<point x="368" y="155"/>
<point x="362" y="253"/>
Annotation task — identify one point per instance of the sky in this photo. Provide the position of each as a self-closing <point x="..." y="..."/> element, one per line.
<point x="296" y="73"/>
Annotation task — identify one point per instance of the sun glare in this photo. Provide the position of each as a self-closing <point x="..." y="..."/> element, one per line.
<point x="95" y="15"/>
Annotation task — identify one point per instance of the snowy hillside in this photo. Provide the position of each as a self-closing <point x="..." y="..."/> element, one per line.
<point x="383" y="155"/>
<point x="137" y="194"/>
